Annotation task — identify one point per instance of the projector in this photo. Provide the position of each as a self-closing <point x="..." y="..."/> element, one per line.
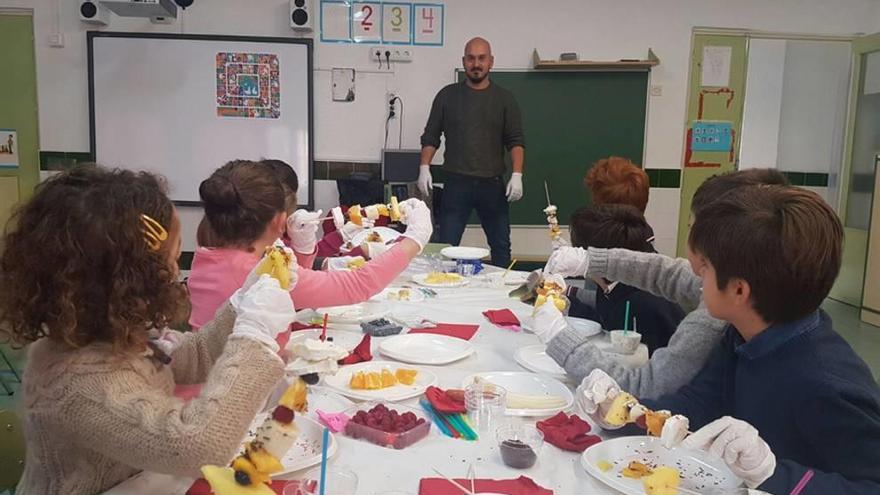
<point x="142" y="8"/>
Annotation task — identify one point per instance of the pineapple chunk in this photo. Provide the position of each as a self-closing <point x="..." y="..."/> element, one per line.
<point x="406" y="376"/>
<point x="354" y="214"/>
<point x="262" y="459"/>
<point x="618" y="414"/>
<point x="394" y="210"/>
<point x="275" y="264"/>
<point x="243" y="464"/>
<point x="296" y="396"/>
<point x="388" y="379"/>
<point x="663" y="481"/>
<point x="604" y="466"/>
<point x="635" y="470"/>
<point x="654" y="421"/>
<point x="358" y="381"/>
<point x="222" y="481"/>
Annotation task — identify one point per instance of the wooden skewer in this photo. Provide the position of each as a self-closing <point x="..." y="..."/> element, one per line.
<point x="508" y="268"/>
<point x="463" y="489"/>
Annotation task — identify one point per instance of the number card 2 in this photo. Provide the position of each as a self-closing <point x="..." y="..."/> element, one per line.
<point x="366" y="22"/>
<point x="397" y="23"/>
<point x="428" y="24"/>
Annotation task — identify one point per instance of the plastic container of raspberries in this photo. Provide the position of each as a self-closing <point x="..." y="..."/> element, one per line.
<point x="390" y="425"/>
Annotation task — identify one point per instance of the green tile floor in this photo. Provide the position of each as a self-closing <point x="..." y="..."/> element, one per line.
<point x="864" y="338"/>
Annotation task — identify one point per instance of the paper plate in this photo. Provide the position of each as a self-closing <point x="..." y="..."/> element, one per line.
<point x="535" y="358"/>
<point x="521" y="382"/>
<point x="420" y="279"/>
<point x="354" y="314"/>
<point x="464" y="253"/>
<point x="698" y="471"/>
<point x="426" y="348"/>
<point x="512" y="278"/>
<point x="306" y="450"/>
<point x="392" y="294"/>
<point x="326" y="400"/>
<point x="339" y="382"/>
<point x="346" y="339"/>
<point x="387" y="234"/>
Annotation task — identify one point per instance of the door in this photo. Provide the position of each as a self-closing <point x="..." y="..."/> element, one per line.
<point x="857" y="184"/>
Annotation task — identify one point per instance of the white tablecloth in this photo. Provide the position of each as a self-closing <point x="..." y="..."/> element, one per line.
<point x="381" y="469"/>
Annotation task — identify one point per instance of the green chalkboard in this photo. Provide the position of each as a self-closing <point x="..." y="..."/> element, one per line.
<point x="570" y="120"/>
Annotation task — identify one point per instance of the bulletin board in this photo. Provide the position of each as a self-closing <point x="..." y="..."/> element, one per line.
<point x="183" y="105"/>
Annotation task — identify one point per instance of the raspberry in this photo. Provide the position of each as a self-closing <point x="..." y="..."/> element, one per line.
<point x="283" y="415"/>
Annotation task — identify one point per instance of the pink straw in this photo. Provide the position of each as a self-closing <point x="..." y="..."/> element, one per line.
<point x="802" y="483"/>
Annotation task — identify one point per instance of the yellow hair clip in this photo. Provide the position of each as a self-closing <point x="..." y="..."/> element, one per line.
<point x="154" y="233"/>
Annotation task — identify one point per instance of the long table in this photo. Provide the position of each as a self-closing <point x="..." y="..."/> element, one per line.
<point x="381" y="469"/>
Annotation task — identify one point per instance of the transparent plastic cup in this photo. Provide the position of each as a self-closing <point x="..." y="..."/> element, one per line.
<point x="485" y="405"/>
<point x="340" y="481"/>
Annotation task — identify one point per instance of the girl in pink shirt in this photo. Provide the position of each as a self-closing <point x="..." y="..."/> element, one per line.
<point x="246" y="209"/>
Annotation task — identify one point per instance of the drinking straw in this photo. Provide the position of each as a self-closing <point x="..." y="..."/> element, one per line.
<point x="461" y="426"/>
<point x="626" y="320"/>
<point x="325" y="441"/>
<point x="427" y="407"/>
<point x="508" y="268"/>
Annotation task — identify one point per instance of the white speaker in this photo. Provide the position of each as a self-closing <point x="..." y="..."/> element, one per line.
<point x="92" y="13"/>
<point x="301" y="15"/>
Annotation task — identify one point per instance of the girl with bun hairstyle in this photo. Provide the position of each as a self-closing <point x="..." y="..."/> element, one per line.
<point x="246" y="210"/>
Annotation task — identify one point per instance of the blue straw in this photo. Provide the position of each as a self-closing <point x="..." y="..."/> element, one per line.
<point x="325" y="440"/>
<point x="626" y="320"/>
<point x="439" y="422"/>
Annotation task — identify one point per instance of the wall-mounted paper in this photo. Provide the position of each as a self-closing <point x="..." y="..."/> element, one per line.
<point x="712" y="136"/>
<point x="343" y="84"/>
<point x="335" y="25"/>
<point x="716" y="66"/>
<point x="8" y="148"/>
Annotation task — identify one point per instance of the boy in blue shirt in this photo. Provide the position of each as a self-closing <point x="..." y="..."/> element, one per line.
<point x="783" y="400"/>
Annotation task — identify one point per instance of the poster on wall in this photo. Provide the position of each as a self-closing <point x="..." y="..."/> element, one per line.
<point x="712" y="136"/>
<point x="366" y="22"/>
<point x="8" y="148"/>
<point x="392" y="23"/>
<point x="248" y="85"/>
<point x="715" y="66"/>
<point x="428" y="24"/>
<point x="397" y="23"/>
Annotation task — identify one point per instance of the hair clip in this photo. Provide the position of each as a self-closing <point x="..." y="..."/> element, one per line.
<point x="154" y="233"/>
<point x="650" y="240"/>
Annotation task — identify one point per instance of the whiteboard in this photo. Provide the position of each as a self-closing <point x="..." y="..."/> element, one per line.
<point x="183" y="105"/>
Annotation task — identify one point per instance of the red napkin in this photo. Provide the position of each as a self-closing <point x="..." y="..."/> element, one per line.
<point x="501" y="317"/>
<point x="443" y="402"/>
<point x="296" y="326"/>
<point x="520" y="486"/>
<point x="201" y="487"/>
<point x="464" y="332"/>
<point x="360" y="353"/>
<point x="568" y="432"/>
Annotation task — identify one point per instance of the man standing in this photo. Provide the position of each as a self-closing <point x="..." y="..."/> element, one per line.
<point x="479" y="119"/>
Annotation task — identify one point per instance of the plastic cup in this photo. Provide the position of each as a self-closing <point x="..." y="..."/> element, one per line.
<point x="485" y="405"/>
<point x="340" y="481"/>
<point x="519" y="445"/>
<point x="625" y="342"/>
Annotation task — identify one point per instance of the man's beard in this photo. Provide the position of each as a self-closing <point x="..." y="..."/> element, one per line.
<point x="478" y="79"/>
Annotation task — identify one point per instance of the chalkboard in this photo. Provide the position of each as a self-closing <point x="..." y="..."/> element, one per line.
<point x="570" y="120"/>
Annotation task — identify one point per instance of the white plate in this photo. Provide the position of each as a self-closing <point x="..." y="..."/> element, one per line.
<point x="355" y="313"/>
<point x="326" y="400"/>
<point x="426" y="348"/>
<point x="464" y="253"/>
<point x="512" y="278"/>
<point x="415" y="295"/>
<point x="340" y="264"/>
<point x="535" y="358"/>
<point x="306" y="450"/>
<point x="386" y="233"/>
<point x="343" y="338"/>
<point x="420" y="279"/>
<point x="339" y="382"/>
<point x="587" y="328"/>
<point x="521" y="382"/>
<point x="698" y="471"/>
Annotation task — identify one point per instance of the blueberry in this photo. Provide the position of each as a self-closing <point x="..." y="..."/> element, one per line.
<point x="242" y="478"/>
<point x="311" y="378"/>
<point x="329" y="339"/>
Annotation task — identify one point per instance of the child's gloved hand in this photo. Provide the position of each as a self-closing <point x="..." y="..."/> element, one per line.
<point x="548" y="322"/>
<point x="568" y="261"/>
<point x="739" y="445"/>
<point x="595" y="394"/>
<point x="302" y="228"/>
<point x="262" y="312"/>
<point x="417" y="217"/>
<point x="253" y="277"/>
<point x="559" y="242"/>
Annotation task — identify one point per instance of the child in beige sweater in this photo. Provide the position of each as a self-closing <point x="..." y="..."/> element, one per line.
<point x="88" y="275"/>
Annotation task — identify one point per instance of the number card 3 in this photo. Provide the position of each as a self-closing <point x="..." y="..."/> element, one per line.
<point x="366" y="22"/>
<point x="428" y="24"/>
<point x="397" y="23"/>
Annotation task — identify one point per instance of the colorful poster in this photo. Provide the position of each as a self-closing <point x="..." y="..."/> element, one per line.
<point x="712" y="136"/>
<point x="397" y="23"/>
<point x="8" y="148"/>
<point x="366" y="22"/>
<point x="248" y="85"/>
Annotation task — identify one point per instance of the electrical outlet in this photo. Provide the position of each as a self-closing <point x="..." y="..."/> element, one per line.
<point x="56" y="40"/>
<point x="657" y="90"/>
<point x="392" y="104"/>
<point x="379" y="54"/>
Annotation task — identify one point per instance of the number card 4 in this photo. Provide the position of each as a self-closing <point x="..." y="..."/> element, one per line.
<point x="428" y="23"/>
<point x="366" y="22"/>
<point x="397" y="23"/>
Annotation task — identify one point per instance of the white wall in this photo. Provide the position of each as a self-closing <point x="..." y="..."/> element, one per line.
<point x="596" y="29"/>
<point x="759" y="146"/>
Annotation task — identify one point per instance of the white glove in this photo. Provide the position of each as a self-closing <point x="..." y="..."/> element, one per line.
<point x="349" y="230"/>
<point x="302" y="228"/>
<point x="514" y="187"/>
<point x="338" y="217"/>
<point x="417" y="218"/>
<point x="549" y="321"/>
<point x="559" y="242"/>
<point x="738" y="444"/>
<point x="263" y="311"/>
<point x="425" y="181"/>
<point x="595" y="395"/>
<point x="252" y="277"/>
<point x="166" y="340"/>
<point x="568" y="261"/>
